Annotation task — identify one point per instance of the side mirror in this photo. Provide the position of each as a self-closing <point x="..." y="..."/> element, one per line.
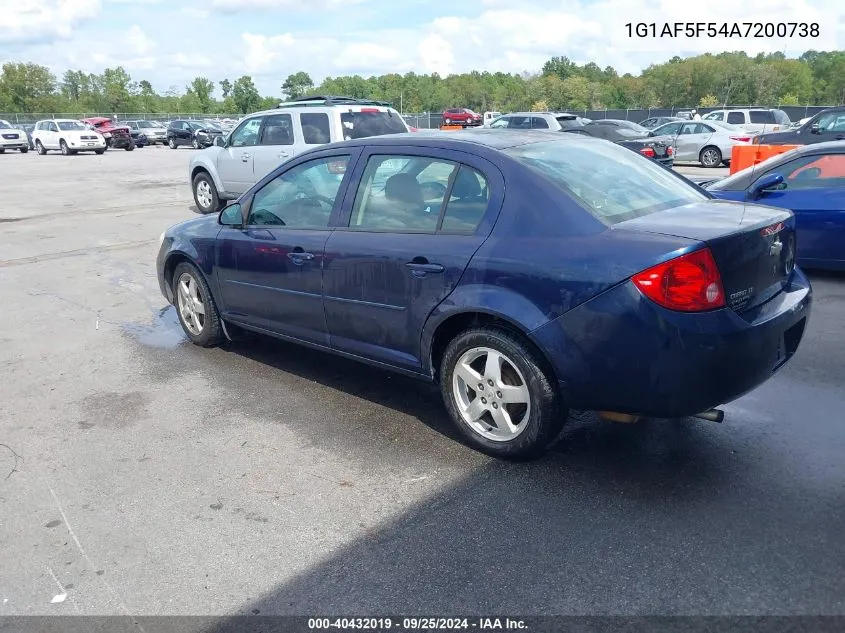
<point x="232" y="215"/>
<point x="814" y="129"/>
<point x="769" y="182"/>
<point x="219" y="141"/>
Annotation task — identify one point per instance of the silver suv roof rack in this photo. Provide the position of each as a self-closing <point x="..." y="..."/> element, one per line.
<point x="329" y="100"/>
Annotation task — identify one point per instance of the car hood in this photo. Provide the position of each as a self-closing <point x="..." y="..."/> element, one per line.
<point x="78" y="133"/>
<point x="776" y="136"/>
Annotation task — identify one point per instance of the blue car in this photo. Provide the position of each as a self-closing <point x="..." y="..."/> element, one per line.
<point x="810" y="181"/>
<point x="524" y="274"/>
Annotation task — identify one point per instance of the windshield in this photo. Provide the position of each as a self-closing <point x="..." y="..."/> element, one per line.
<point x="727" y="184"/>
<point x="636" y="127"/>
<point x="613" y="183"/>
<point x="5" y="126"/>
<point x="725" y="126"/>
<point x="212" y="125"/>
<point x="629" y="132"/>
<point x="146" y="124"/>
<point x="71" y="125"/>
<point x="364" y="124"/>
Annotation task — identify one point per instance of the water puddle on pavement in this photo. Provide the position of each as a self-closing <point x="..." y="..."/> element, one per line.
<point x="164" y="332"/>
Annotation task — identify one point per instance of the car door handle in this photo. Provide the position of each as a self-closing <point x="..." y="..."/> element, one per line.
<point x="422" y="268"/>
<point x="298" y="257"/>
<point x="245" y="157"/>
<point x="283" y="154"/>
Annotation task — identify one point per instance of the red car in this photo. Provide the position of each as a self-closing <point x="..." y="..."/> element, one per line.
<point x="461" y="116"/>
<point x="116" y="136"/>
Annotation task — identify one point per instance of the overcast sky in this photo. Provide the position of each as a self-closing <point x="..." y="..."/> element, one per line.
<point x="168" y="42"/>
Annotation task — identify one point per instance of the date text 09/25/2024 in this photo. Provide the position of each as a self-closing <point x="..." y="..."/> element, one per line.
<point x="740" y="30"/>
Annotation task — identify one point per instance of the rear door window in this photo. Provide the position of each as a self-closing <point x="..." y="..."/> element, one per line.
<point x="737" y="118"/>
<point x="539" y="123"/>
<point x="715" y="116"/>
<point x="315" y="128"/>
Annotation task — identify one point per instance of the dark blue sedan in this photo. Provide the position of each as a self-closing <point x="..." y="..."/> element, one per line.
<point x="526" y="275"/>
<point x="810" y="181"/>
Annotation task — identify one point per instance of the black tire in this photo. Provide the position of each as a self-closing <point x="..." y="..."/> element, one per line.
<point x="100" y="151"/>
<point x="39" y="147"/>
<point x="2" y="150"/>
<point x="64" y="148"/>
<point x="24" y="150"/>
<point x="130" y="147"/>
<point x="546" y="415"/>
<point x="710" y="156"/>
<point x="215" y="198"/>
<point x="195" y="143"/>
<point x="171" y="143"/>
<point x="211" y="333"/>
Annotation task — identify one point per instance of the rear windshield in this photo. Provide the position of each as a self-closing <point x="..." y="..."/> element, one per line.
<point x="611" y="182"/>
<point x="762" y="116"/>
<point x="781" y="117"/>
<point x="364" y="124"/>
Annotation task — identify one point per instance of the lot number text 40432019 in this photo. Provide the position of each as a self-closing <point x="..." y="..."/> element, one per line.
<point x="723" y="29"/>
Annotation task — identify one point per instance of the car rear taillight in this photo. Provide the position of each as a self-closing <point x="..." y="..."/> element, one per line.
<point x="648" y="151"/>
<point x="744" y="139"/>
<point x="689" y="283"/>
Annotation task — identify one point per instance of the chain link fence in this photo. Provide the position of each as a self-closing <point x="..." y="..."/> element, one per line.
<point x="429" y="120"/>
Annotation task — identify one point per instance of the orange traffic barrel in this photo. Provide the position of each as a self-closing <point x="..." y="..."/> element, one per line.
<point x="743" y="156"/>
<point x="449" y="128"/>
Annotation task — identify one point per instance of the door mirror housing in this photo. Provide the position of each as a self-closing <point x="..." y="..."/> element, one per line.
<point x="814" y="129"/>
<point x="769" y="182"/>
<point x="219" y="141"/>
<point x="232" y="215"/>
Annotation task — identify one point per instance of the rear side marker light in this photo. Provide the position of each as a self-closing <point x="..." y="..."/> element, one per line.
<point x="689" y="283"/>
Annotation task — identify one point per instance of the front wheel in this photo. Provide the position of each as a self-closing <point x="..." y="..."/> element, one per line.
<point x="195" y="143"/>
<point x="710" y="157"/>
<point x="195" y="306"/>
<point x="171" y="143"/>
<point x="39" y="147"/>
<point x="447" y="121"/>
<point x="205" y="194"/>
<point x="24" y="150"/>
<point x="499" y="395"/>
<point x="130" y="147"/>
<point x="64" y="148"/>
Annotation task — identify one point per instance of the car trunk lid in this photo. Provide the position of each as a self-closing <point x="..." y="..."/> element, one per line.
<point x="753" y="245"/>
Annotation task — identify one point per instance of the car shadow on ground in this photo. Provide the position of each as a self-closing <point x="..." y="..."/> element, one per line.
<point x="658" y="517"/>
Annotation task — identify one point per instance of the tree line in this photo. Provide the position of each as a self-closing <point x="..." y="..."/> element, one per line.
<point x="815" y="78"/>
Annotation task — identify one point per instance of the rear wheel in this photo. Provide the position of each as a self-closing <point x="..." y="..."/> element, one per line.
<point x="2" y="150"/>
<point x="100" y="151"/>
<point x="447" y="121"/>
<point x="25" y="149"/>
<point x="195" y="306"/>
<point x="710" y="157"/>
<point x="499" y="394"/>
<point x="130" y="147"/>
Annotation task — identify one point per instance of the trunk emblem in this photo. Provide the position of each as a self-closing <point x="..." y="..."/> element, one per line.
<point x="771" y="230"/>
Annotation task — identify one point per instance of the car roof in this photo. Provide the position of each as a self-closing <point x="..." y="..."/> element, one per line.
<point x="467" y="140"/>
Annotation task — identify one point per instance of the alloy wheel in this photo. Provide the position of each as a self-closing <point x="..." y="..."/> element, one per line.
<point x="491" y="394"/>
<point x="204" y="195"/>
<point x="190" y="303"/>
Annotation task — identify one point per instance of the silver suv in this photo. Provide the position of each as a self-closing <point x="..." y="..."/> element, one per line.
<point x="262" y="141"/>
<point x="756" y="120"/>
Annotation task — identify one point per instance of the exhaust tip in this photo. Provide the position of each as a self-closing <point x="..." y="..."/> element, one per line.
<point x="711" y="415"/>
<point x="623" y="418"/>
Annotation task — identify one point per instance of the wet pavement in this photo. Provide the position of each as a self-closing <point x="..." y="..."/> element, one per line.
<point x="142" y="475"/>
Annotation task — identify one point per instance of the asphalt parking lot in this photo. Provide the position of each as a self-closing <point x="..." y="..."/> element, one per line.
<point x="142" y="475"/>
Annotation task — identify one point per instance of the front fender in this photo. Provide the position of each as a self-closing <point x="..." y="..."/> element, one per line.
<point x="494" y="301"/>
<point x="189" y="246"/>
<point x="206" y="160"/>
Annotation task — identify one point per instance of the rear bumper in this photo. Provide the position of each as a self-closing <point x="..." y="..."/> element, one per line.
<point x="621" y="352"/>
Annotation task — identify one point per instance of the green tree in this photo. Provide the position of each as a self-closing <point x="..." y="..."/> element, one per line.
<point x="226" y="88"/>
<point x="297" y="85"/>
<point x="708" y="101"/>
<point x="116" y="89"/>
<point x="25" y="87"/>
<point x="245" y="95"/>
<point x="201" y="89"/>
